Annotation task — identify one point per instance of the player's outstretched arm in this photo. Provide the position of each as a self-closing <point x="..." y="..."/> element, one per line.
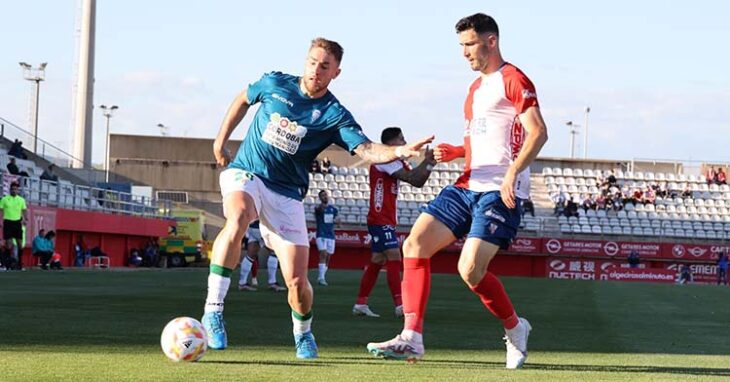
<point x="233" y="117"/>
<point x="379" y="153"/>
<point x="445" y="152"/>
<point x="419" y="175"/>
<point x="537" y="135"/>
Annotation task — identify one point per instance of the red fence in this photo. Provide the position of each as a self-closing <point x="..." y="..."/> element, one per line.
<point x="115" y="235"/>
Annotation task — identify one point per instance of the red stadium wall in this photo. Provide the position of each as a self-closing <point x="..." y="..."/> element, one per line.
<point x="116" y="235"/>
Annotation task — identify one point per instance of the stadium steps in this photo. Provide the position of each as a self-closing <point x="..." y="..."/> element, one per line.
<point x="544" y="206"/>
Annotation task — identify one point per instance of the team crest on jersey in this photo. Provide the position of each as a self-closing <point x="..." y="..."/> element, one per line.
<point x="284" y="134"/>
<point x="315" y="115"/>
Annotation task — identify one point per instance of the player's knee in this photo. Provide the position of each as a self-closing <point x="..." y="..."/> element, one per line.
<point x="413" y="247"/>
<point x="470" y="274"/>
<point x="238" y="221"/>
<point x="297" y="284"/>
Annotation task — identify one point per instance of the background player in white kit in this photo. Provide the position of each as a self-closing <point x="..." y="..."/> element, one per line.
<point x="253" y="249"/>
<point x="504" y="132"/>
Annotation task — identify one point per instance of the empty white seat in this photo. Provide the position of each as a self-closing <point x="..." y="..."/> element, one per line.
<point x="596" y="229"/>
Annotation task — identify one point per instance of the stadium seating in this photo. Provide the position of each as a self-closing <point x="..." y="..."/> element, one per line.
<point x="705" y="215"/>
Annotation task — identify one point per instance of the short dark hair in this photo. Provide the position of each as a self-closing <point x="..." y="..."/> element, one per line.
<point x="389" y="133"/>
<point x="480" y="22"/>
<point x="321" y="191"/>
<point x="331" y="47"/>
<point x="14" y="184"/>
<point x="50" y="234"/>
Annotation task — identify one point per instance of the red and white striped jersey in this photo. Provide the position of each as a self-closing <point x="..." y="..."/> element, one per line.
<point x="384" y="193"/>
<point x="493" y="134"/>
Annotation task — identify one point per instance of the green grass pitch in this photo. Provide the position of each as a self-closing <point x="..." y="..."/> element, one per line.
<point x="105" y="326"/>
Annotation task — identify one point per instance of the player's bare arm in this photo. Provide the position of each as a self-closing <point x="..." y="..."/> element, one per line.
<point x="233" y="117"/>
<point x="380" y="153"/>
<point x="536" y="137"/>
<point x="419" y="175"/>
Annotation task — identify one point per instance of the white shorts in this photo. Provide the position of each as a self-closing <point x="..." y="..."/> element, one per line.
<point x="254" y="234"/>
<point x="280" y="216"/>
<point x="325" y="244"/>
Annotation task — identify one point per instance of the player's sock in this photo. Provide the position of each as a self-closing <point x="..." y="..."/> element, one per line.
<point x="416" y="288"/>
<point x="246" y="266"/>
<point x="271" y="264"/>
<point x="302" y="323"/>
<point x="219" y="280"/>
<point x="255" y="267"/>
<point x="369" y="277"/>
<point x="491" y="291"/>
<point x="322" y="271"/>
<point x="393" y="273"/>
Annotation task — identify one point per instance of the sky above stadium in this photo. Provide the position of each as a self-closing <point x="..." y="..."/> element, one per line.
<point x="654" y="73"/>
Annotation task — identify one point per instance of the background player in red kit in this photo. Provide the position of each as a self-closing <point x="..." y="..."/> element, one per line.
<point x="503" y="134"/>
<point x="382" y="221"/>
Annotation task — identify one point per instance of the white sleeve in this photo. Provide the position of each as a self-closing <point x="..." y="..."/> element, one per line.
<point x="390" y="168"/>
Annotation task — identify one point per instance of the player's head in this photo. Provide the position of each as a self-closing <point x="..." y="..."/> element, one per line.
<point x="322" y="66"/>
<point x="323" y="197"/>
<point x="14" y="188"/>
<point x="479" y="35"/>
<point x="392" y="136"/>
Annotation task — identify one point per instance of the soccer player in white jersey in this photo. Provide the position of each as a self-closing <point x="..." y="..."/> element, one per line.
<point x="503" y="134"/>
<point x="298" y="118"/>
<point x="255" y="244"/>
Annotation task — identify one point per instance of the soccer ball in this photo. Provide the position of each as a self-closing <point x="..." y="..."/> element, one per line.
<point x="184" y="339"/>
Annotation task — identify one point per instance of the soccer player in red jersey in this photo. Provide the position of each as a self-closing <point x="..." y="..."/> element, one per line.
<point x="382" y="221"/>
<point x="504" y="131"/>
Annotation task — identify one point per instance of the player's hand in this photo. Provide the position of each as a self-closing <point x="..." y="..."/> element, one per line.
<point x="222" y="156"/>
<point x="428" y="156"/>
<point x="445" y="152"/>
<point x="507" y="191"/>
<point x="413" y="150"/>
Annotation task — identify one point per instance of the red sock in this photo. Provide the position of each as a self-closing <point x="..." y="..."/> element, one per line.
<point x="369" y="277"/>
<point x="393" y="268"/>
<point x="416" y="288"/>
<point x="255" y="266"/>
<point x="491" y="291"/>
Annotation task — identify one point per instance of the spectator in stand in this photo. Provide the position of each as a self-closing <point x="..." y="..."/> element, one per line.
<point x="722" y="266"/>
<point x="42" y="249"/>
<point x="16" y="150"/>
<point x="316" y="167"/>
<point x="711" y="176"/>
<point x="528" y="207"/>
<point x="685" y="274"/>
<point x="634" y="259"/>
<point x="721" y="177"/>
<point x="649" y="196"/>
<point x="601" y="201"/>
<point x="611" y="179"/>
<point x="687" y="193"/>
<point x="13" y="168"/>
<point x="15" y="214"/>
<point x="326" y="166"/>
<point x="559" y="199"/>
<point x="589" y="203"/>
<point x="48" y="173"/>
<point x="571" y="209"/>
<point x="637" y="196"/>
